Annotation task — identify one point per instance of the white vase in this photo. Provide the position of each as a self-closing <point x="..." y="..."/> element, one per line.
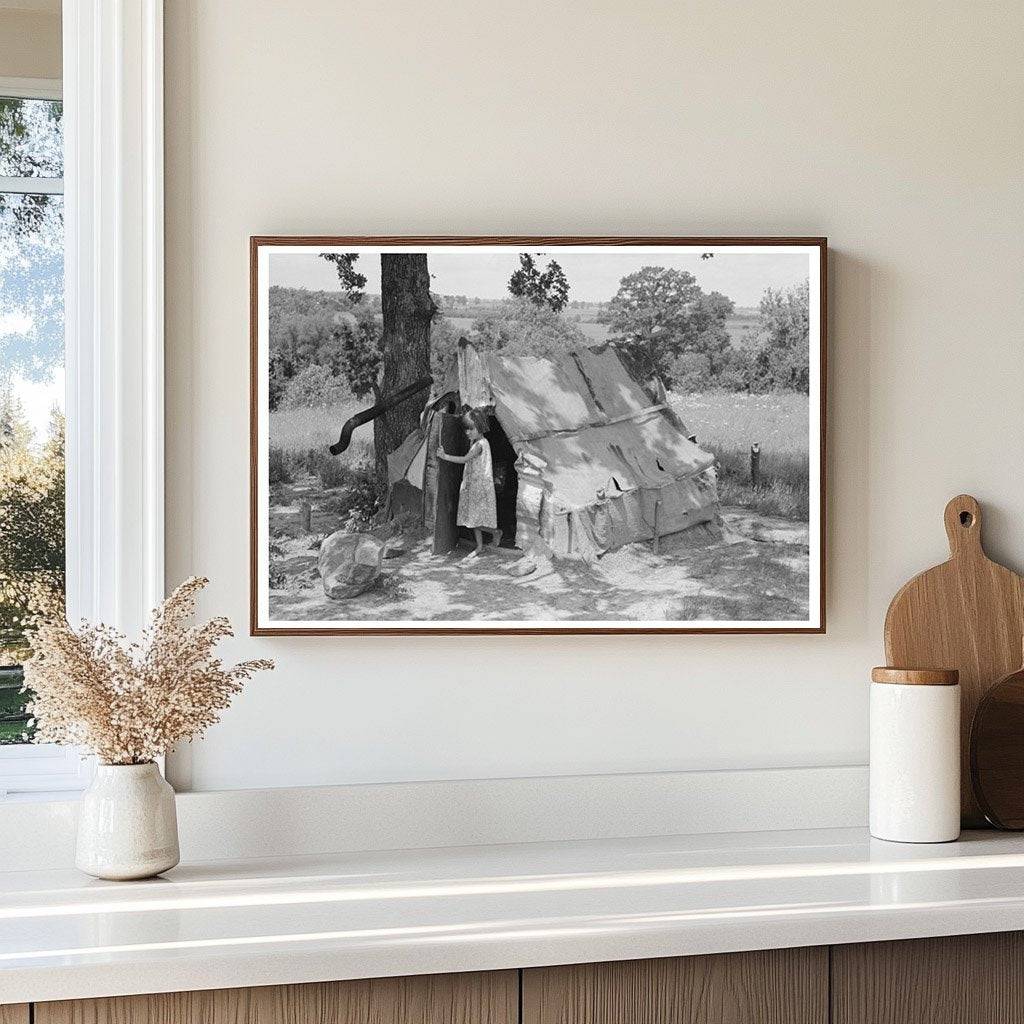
<point x="127" y="825"/>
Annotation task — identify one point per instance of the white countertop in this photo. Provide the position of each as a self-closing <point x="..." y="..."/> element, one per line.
<point x="262" y="922"/>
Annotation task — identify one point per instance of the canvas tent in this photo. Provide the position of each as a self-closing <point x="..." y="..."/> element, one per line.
<point x="586" y="463"/>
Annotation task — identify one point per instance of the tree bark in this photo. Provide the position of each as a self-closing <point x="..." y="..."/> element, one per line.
<point x="408" y="310"/>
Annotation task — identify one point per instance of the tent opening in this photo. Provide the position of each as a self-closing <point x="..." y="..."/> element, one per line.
<point x="506" y="481"/>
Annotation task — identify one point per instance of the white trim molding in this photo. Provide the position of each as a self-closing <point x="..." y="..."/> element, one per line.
<point x="113" y="108"/>
<point x="32" y="186"/>
<point x="31" y="88"/>
<point x="40" y="771"/>
<point x="240" y="824"/>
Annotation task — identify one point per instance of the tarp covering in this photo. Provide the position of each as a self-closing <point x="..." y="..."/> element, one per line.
<point x="591" y="430"/>
<point x="587" y="466"/>
<point x="536" y="397"/>
<point x="400" y="460"/>
<point x="599" y="465"/>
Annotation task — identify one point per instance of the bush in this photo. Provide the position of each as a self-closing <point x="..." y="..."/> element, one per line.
<point x="735" y="377"/>
<point x="280" y="470"/>
<point x="691" y="371"/>
<point x="331" y="470"/>
<point x="360" y="500"/>
<point x="525" y="329"/>
<point x="363" y="498"/>
<point x="313" y="388"/>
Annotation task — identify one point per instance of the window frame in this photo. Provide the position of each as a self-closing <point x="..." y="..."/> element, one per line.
<point x="112" y="90"/>
<point x="48" y="89"/>
<point x="37" y="768"/>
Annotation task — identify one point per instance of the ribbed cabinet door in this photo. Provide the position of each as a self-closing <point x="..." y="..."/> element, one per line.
<point x="481" y="998"/>
<point x="961" y="979"/>
<point x="14" y="1013"/>
<point x="778" y="986"/>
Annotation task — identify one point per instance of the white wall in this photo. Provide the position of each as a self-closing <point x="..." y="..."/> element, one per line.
<point x="895" y="129"/>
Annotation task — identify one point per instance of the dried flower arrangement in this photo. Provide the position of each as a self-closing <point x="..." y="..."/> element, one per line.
<point x="129" y="703"/>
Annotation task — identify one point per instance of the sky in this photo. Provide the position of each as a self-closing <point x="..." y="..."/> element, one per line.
<point x="31" y="334"/>
<point x="39" y="398"/>
<point x="31" y="274"/>
<point x="593" y="277"/>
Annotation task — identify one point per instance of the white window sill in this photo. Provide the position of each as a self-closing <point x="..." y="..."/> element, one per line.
<point x="42" y="771"/>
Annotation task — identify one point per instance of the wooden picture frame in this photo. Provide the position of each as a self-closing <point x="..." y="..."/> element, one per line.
<point x="815" y="249"/>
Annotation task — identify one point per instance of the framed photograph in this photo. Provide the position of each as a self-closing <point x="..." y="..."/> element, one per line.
<point x="537" y="435"/>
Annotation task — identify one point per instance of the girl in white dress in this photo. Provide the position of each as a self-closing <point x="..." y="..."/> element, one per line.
<point x="477" y="505"/>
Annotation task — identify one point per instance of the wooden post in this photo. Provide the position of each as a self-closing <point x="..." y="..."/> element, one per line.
<point x="306" y="517"/>
<point x="656" y="544"/>
<point x="755" y="464"/>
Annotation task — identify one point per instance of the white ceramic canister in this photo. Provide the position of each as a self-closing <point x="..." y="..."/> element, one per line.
<point x="127" y="825"/>
<point x="915" y="755"/>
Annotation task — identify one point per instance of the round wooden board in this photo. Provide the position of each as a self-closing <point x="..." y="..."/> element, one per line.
<point x="997" y="752"/>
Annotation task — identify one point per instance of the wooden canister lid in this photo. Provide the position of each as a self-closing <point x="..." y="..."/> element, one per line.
<point x="916" y="676"/>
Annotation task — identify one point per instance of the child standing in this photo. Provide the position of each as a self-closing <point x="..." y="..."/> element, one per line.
<point x="477" y="505"/>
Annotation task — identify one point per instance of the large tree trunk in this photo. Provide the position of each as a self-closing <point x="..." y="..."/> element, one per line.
<point x="408" y="310"/>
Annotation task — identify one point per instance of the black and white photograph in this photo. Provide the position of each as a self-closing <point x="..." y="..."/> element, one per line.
<point x="537" y="435"/>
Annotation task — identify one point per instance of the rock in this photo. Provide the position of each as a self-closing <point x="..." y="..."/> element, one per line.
<point x="523" y="567"/>
<point x="349" y="564"/>
<point x="395" y="548"/>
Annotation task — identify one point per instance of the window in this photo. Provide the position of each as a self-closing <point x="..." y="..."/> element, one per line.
<point x="31" y="411"/>
<point x="109" y="209"/>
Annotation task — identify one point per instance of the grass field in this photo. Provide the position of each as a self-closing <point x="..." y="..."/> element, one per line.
<point x="777" y="421"/>
<point x="296" y="431"/>
<point x="728" y="423"/>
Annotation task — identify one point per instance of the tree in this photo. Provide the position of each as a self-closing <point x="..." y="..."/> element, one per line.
<point x="650" y="317"/>
<point x="705" y="331"/>
<point x="31" y="525"/>
<point x="782" y="359"/>
<point x="15" y="429"/>
<point x="399" y="354"/>
<point x="408" y="310"/>
<point x="359" y="351"/>
<point x="660" y="314"/>
<point x="31" y="143"/>
<point x="325" y="329"/>
<point x="548" y="288"/>
<point x="786" y="316"/>
<point x="351" y="280"/>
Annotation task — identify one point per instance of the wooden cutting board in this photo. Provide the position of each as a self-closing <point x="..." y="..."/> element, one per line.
<point x="967" y="614"/>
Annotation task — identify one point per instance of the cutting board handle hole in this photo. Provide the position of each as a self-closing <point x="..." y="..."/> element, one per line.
<point x="966" y="519"/>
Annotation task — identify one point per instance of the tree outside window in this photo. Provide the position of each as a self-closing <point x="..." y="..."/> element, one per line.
<point x="31" y="386"/>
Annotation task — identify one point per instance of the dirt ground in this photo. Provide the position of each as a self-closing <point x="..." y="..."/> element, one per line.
<point x="758" y="570"/>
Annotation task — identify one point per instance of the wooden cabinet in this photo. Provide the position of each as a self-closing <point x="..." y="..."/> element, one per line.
<point x="963" y="979"/>
<point x="777" y="986"/>
<point x="490" y="998"/>
<point x="970" y="979"/>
